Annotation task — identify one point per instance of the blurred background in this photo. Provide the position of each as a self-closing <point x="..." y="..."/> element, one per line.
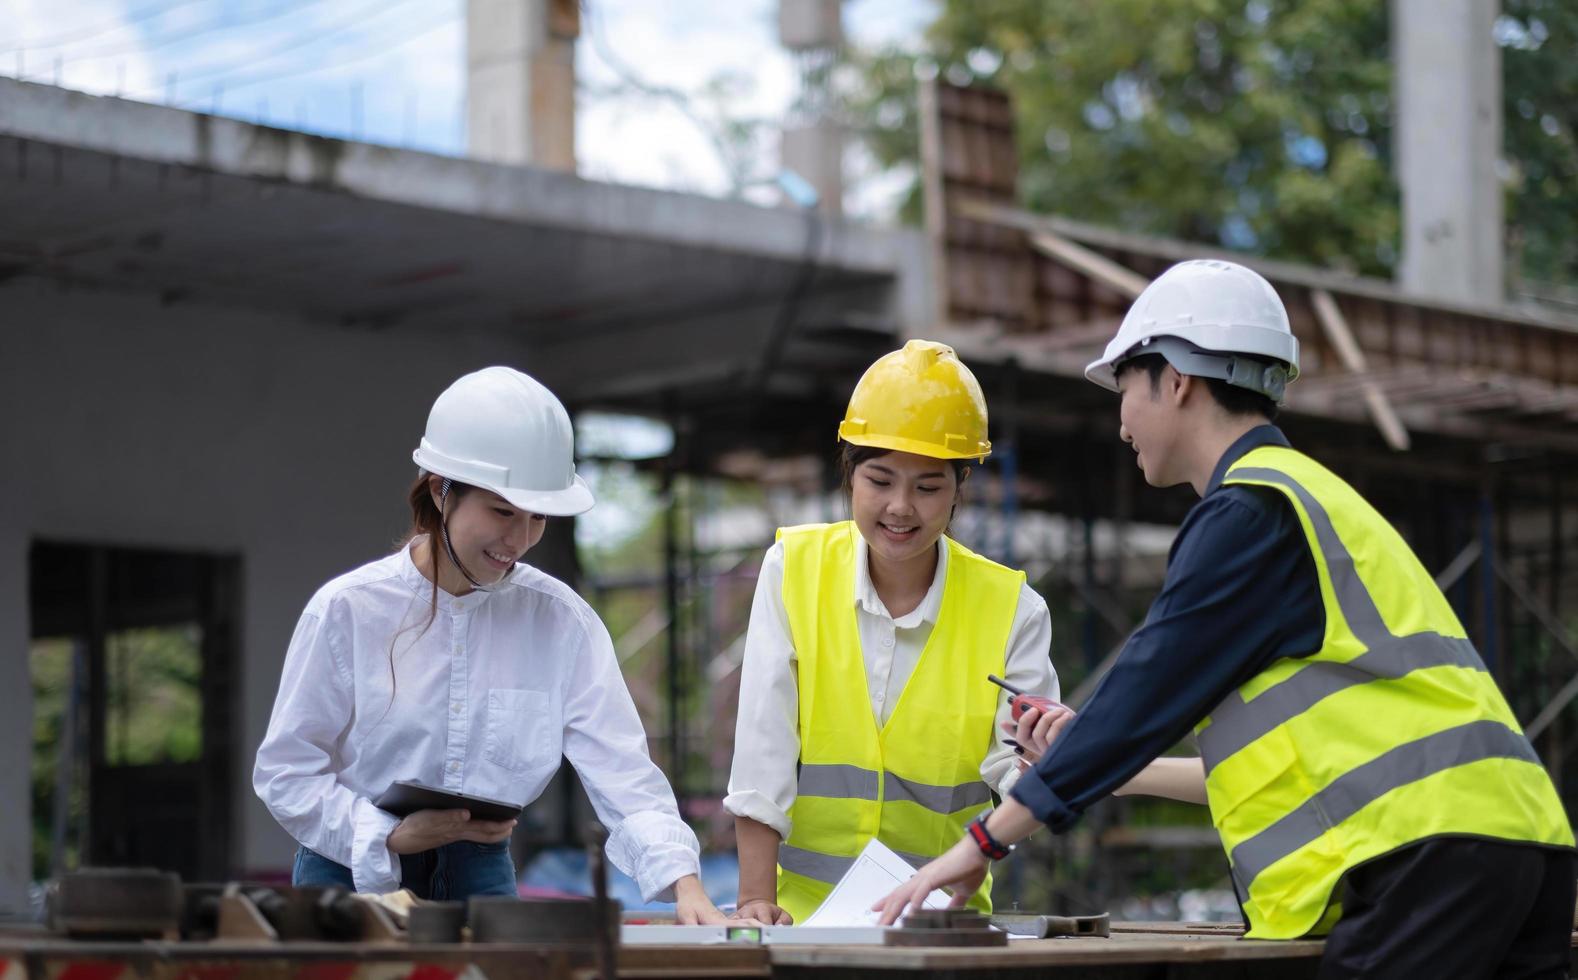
<point x="244" y="243"/>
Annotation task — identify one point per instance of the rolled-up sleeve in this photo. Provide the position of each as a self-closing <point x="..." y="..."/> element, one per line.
<point x="1028" y="667"/>
<point x="294" y="773"/>
<point x="766" y="732"/>
<point x="605" y="742"/>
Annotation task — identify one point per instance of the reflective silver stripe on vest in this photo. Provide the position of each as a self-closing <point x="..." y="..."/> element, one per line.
<point x="838" y="782"/>
<point x="826" y="868"/>
<point x="842" y="782"/>
<point x="1236" y="723"/>
<point x="829" y="868"/>
<point x="938" y="799"/>
<point x="1353" y="790"/>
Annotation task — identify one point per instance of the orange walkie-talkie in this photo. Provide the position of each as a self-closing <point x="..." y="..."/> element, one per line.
<point x="1022" y="702"/>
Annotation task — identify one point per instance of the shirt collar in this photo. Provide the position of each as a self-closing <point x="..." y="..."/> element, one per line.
<point x="866" y="594"/>
<point x="1260" y="435"/>
<point x="424" y="589"/>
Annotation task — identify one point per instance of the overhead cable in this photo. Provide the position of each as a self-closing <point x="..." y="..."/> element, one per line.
<point x="246" y="82"/>
<point x="293" y="43"/>
<point x="150" y="12"/>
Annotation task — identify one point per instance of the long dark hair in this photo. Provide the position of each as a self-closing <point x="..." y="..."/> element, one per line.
<point x="426" y="519"/>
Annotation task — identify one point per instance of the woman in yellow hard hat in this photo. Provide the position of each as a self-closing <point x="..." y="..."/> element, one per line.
<point x="865" y="711"/>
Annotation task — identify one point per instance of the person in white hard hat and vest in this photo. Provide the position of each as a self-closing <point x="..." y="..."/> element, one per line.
<point x="451" y="664"/>
<point x="865" y="710"/>
<point x="1366" y="776"/>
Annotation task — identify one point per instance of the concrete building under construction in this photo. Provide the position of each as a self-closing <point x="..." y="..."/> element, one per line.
<point x="222" y="337"/>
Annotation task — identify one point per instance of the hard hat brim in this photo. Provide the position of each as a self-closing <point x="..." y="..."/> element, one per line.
<point x="1100" y="372"/>
<point x="899" y="444"/>
<point x="572" y="500"/>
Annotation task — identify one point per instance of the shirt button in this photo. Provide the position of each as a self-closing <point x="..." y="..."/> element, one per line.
<point x="887" y="641"/>
<point x="455" y="708"/>
<point x="881" y="698"/>
<point x="454" y="766"/>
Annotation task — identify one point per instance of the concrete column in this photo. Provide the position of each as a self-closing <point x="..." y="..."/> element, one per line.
<point x="16" y="719"/>
<point x="1447" y="82"/>
<point x="812" y="142"/>
<point x="520" y="81"/>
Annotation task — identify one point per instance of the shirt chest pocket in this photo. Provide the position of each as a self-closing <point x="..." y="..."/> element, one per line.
<point x="521" y="732"/>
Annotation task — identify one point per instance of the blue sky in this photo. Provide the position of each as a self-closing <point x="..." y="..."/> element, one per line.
<point x="391" y="71"/>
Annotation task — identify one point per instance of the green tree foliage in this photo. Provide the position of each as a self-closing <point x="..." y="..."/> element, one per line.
<point x="1538" y="39"/>
<point x="1262" y="125"/>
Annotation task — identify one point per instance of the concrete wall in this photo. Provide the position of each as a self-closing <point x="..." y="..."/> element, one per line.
<point x="289" y="444"/>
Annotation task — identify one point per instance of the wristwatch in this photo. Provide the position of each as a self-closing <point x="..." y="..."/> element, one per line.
<point x="994" y="849"/>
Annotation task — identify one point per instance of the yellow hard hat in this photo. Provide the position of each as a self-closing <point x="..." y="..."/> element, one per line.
<point x="920" y="399"/>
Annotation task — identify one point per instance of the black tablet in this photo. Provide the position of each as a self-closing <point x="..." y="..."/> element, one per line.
<point x="405" y="798"/>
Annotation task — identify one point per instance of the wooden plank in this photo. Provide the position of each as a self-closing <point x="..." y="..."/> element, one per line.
<point x="1031" y="955"/>
<point x="1336" y="328"/>
<point x="1091" y="263"/>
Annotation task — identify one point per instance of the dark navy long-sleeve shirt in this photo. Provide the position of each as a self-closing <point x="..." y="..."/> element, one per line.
<point x="1241" y="590"/>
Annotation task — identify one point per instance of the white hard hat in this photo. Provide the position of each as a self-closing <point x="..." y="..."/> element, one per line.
<point x="1211" y="310"/>
<point x="501" y="430"/>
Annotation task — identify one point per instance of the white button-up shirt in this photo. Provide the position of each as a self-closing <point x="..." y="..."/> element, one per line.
<point x="483" y="700"/>
<point x="762" y="783"/>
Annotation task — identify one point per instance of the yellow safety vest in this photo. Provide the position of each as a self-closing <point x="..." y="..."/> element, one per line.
<point x="1391" y="733"/>
<point x="915" y="782"/>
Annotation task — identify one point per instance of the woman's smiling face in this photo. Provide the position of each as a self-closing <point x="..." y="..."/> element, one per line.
<point x="489" y="534"/>
<point x="901" y="503"/>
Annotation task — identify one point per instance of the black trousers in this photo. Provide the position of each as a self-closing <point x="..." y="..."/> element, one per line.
<point x="1456" y="907"/>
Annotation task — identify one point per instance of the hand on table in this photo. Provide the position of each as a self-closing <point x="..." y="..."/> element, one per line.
<point x="692" y="907"/>
<point x="762" y="911"/>
<point x="961" y="869"/>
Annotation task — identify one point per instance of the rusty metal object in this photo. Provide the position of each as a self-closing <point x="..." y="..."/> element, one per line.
<point x="1046" y="926"/>
<point x="501" y="919"/>
<point x="116" y="903"/>
<point x="299" y="914"/>
<point x="945" y="927"/>
<point x="308" y="913"/>
<point x="595" y="837"/>
<point x="200" y="910"/>
<point x="436" y="922"/>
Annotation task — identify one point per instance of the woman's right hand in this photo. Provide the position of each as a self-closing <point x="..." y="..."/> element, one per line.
<point x="1036" y="730"/>
<point x="427" y="829"/>
<point x="762" y="910"/>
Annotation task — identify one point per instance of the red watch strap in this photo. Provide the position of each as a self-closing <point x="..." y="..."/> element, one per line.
<point x="985" y="841"/>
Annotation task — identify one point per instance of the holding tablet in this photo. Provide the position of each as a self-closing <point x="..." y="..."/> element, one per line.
<point x="405" y="798"/>
<point x="451" y="662"/>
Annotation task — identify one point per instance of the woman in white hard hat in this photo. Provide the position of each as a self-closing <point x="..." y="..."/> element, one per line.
<point x="865" y="710"/>
<point x="450" y="664"/>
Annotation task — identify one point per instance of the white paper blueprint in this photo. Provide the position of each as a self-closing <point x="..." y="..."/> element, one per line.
<point x="875" y="873"/>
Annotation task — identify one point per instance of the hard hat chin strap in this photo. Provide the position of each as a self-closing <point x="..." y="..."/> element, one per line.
<point x="443" y="532"/>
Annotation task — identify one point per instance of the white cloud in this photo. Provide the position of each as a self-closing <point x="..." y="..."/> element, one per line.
<point x="102" y="25"/>
<point x="397" y="74"/>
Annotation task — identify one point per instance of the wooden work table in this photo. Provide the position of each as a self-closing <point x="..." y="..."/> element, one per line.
<point x="1135" y="950"/>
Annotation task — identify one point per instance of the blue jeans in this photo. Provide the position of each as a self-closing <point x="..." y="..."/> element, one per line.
<point x="452" y="872"/>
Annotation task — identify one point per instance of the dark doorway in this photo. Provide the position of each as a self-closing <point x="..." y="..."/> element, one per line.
<point x="132" y="662"/>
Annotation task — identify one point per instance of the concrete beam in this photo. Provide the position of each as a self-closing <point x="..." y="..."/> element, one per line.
<point x="529" y="196"/>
